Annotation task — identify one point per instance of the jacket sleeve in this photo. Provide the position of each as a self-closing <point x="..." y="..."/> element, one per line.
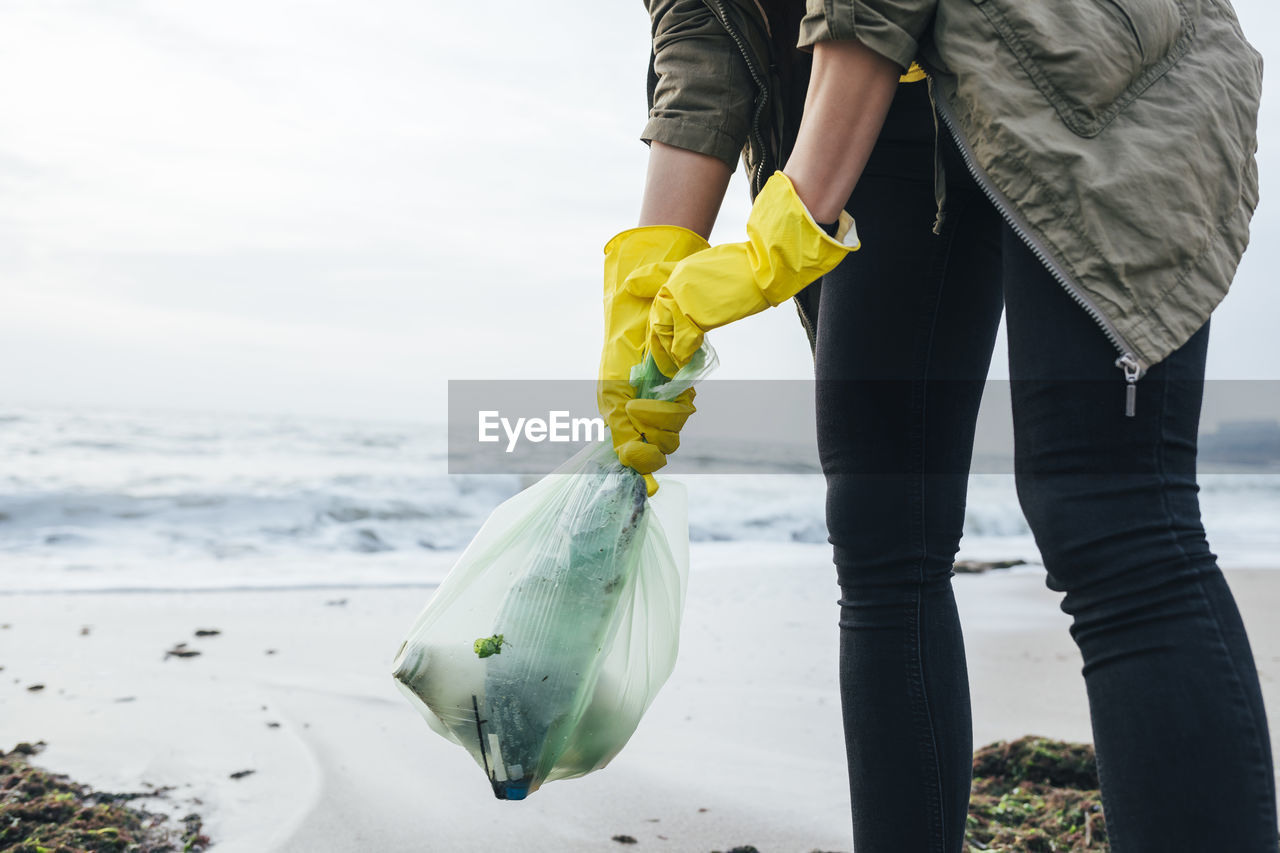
<point x="700" y="92"/>
<point x="892" y="28"/>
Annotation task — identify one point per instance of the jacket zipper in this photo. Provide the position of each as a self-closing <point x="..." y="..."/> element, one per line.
<point x="718" y="8"/>
<point x="1127" y="361"/>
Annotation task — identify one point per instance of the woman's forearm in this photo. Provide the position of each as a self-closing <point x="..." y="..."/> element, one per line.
<point x="684" y="188"/>
<point x="849" y="93"/>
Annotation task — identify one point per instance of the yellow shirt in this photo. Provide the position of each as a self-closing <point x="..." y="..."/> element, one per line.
<point x="914" y="73"/>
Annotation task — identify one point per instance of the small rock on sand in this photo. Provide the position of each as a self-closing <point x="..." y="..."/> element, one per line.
<point x="971" y="567"/>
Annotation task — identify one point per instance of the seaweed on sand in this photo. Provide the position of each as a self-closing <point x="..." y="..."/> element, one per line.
<point x="1031" y="795"/>
<point x="1037" y="795"/>
<point x="43" y="812"/>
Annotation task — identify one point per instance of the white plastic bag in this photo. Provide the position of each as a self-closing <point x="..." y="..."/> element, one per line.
<point x="556" y="628"/>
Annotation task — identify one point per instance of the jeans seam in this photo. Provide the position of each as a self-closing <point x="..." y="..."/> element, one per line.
<point x="1238" y="681"/>
<point x="937" y="806"/>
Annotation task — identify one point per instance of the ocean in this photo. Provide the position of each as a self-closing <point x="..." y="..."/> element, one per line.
<point x="112" y="500"/>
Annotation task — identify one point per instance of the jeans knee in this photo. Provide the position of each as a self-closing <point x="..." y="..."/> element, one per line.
<point x="1047" y="514"/>
<point x="893" y="530"/>
<point x="1112" y="543"/>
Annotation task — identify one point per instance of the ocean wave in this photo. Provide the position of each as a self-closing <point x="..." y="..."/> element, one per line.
<point x="85" y="492"/>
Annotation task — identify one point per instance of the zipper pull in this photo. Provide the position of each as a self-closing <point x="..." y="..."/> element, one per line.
<point x="1129" y="364"/>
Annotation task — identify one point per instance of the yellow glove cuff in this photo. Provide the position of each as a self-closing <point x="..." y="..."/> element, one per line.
<point x="651" y="243"/>
<point x="799" y="250"/>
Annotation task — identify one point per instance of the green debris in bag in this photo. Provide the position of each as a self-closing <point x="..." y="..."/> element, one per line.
<point x="486" y="646"/>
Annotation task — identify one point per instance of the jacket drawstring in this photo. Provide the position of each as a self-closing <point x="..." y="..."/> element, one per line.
<point x="939" y="171"/>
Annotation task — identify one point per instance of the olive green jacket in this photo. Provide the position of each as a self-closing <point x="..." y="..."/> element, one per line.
<point x="1117" y="137"/>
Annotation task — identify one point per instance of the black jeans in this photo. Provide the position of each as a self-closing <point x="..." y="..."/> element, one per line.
<point x="906" y="327"/>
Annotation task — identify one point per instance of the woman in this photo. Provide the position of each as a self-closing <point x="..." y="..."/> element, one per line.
<point x="1090" y="167"/>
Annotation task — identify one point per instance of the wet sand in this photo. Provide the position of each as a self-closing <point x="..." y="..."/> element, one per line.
<point x="743" y="745"/>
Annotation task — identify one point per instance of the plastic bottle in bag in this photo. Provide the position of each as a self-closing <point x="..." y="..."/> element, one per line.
<point x="559" y="623"/>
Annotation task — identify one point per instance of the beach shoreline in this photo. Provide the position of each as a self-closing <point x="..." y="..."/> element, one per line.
<point x="742" y="746"/>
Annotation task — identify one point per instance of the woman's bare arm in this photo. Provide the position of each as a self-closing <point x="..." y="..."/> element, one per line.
<point x="684" y="188"/>
<point x="849" y="94"/>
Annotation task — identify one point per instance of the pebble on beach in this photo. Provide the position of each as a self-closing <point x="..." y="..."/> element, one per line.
<point x="181" y="651"/>
<point x="973" y="567"/>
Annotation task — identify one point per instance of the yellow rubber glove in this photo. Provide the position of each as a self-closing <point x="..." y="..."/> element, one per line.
<point x="643" y="431"/>
<point x="785" y="251"/>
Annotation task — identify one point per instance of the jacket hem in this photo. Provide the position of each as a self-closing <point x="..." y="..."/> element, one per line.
<point x="871" y="29"/>
<point x="693" y="136"/>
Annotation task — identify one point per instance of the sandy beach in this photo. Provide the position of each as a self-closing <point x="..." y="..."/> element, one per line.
<point x="296" y="295"/>
<point x="743" y="745"/>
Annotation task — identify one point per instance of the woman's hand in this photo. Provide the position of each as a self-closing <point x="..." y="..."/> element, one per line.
<point x="643" y="431"/>
<point x="682" y="195"/>
<point x="784" y="251"/>
<point x="849" y="94"/>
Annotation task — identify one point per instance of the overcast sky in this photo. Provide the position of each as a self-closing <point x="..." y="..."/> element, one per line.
<point x="331" y="208"/>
